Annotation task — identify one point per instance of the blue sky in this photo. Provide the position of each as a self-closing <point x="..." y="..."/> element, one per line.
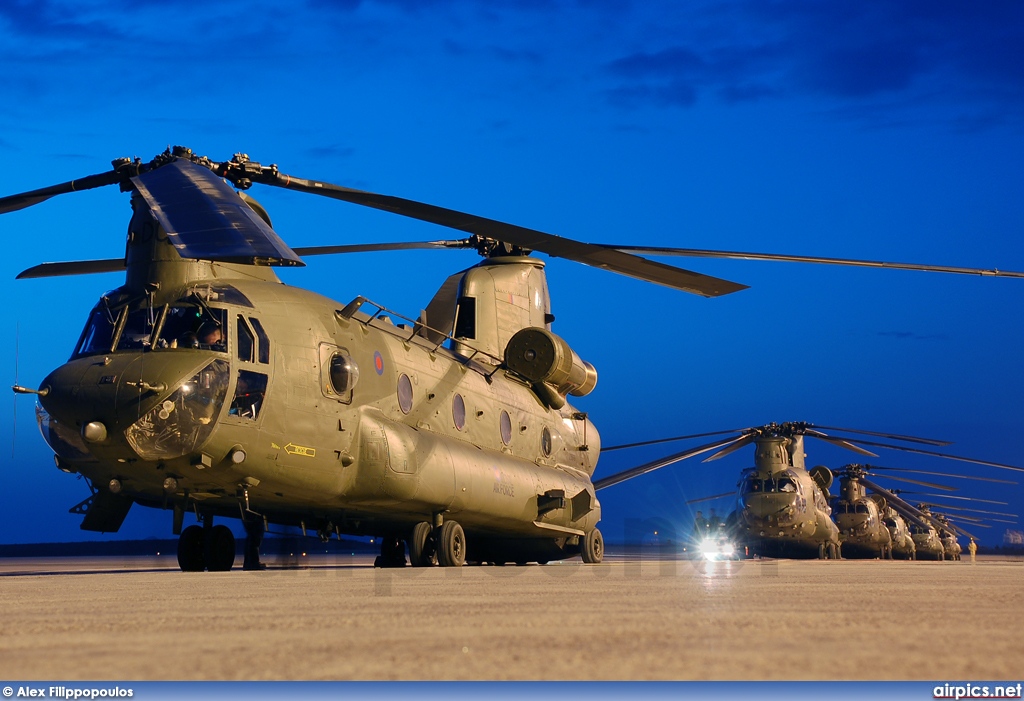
<point x="877" y="130"/>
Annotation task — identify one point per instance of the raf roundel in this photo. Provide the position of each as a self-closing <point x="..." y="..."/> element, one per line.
<point x="378" y="362"/>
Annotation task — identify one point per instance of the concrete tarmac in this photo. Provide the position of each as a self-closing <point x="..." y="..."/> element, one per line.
<point x="337" y="617"/>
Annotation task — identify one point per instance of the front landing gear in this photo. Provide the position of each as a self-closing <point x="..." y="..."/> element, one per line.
<point x="210" y="549"/>
<point x="254" y="528"/>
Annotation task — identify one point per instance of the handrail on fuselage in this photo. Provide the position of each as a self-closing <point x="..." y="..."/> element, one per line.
<point x="416" y="335"/>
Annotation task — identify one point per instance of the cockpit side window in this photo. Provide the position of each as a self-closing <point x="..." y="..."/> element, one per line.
<point x="245" y="342"/>
<point x="264" y="344"/>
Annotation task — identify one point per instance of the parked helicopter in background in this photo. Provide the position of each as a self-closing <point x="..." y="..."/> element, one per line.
<point x="203" y="384"/>
<point x="868" y="526"/>
<point x="782" y="507"/>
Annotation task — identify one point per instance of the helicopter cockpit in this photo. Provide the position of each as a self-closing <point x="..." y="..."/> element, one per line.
<point x="121" y="327"/>
<point x="136" y="324"/>
<point x="755" y="484"/>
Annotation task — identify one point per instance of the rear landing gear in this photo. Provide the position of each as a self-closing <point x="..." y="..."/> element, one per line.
<point x="592" y="547"/>
<point x="451" y="545"/>
<point x="422" y="545"/>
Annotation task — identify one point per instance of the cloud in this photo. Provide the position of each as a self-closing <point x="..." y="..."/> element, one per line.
<point x="970" y="55"/>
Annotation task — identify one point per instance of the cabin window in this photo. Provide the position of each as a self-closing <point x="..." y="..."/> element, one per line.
<point x="339" y="372"/>
<point x="465" y="320"/>
<point x="505" y="424"/>
<point x="459" y="411"/>
<point x="250" y="390"/>
<point x="264" y="344"/>
<point x="245" y="342"/>
<point x="404" y="393"/>
<point x="545" y="441"/>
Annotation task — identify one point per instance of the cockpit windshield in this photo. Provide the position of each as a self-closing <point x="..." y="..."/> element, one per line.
<point x="758" y="485"/>
<point x="188" y="323"/>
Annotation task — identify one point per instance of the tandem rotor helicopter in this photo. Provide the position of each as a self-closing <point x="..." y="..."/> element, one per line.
<point x="204" y="384"/>
<point x="784" y="509"/>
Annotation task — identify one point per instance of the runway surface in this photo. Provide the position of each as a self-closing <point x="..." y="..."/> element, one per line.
<point x="339" y="618"/>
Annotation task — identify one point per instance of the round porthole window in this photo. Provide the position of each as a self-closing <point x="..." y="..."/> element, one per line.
<point x="545" y="441"/>
<point x="344" y="373"/>
<point x="506" y="427"/>
<point x="459" y="411"/>
<point x="404" y="393"/>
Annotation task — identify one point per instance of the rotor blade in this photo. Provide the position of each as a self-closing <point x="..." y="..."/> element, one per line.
<point x="840" y="442"/>
<point x="205" y="219"/>
<point x="366" y="247"/>
<point x="941" y="474"/>
<point x="669" y="440"/>
<point x="12" y="203"/>
<point x="737" y="255"/>
<point x="919" y="516"/>
<point x="586" y="253"/>
<point x="945" y="455"/>
<point x="894" y="436"/>
<point x="933" y="485"/>
<point x="977" y="522"/>
<point x="740" y="442"/>
<point x="951" y="496"/>
<point x="656" y="464"/>
<point x="950" y="507"/>
<point x="78" y="267"/>
<point x="712" y="498"/>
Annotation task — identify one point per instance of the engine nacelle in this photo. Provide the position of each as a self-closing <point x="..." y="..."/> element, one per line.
<point x="542" y="357"/>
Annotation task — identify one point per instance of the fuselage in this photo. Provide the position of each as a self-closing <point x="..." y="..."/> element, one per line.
<point x="339" y="421"/>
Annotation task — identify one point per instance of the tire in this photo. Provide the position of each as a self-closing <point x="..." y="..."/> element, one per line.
<point x="451" y="545"/>
<point x="422" y="545"/>
<point x="219" y="549"/>
<point x="191" y="557"/>
<point x="592" y="547"/>
<point x="822" y="551"/>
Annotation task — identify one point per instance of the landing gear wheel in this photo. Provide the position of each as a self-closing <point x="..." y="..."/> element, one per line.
<point x="422" y="546"/>
<point x="451" y="545"/>
<point x="833" y="551"/>
<point x="190" y="550"/>
<point x="219" y="549"/>
<point x="592" y="547"/>
<point x="392" y="553"/>
<point x="822" y="552"/>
